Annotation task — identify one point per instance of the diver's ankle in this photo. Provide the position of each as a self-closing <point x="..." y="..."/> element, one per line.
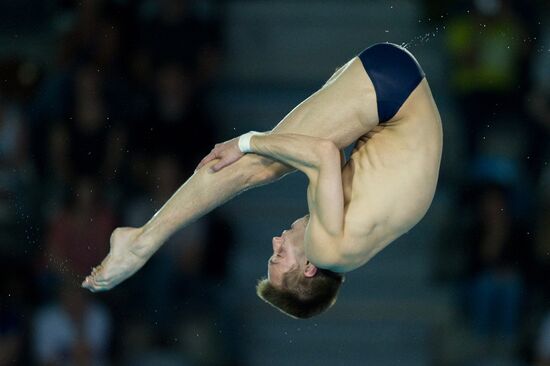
<point x="147" y="241"/>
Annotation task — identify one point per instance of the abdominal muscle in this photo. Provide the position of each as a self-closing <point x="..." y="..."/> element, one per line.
<point x="390" y="180"/>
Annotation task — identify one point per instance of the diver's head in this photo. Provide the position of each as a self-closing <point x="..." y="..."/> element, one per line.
<point x="294" y="285"/>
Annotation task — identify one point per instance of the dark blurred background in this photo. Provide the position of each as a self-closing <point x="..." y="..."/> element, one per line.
<point x="107" y="106"/>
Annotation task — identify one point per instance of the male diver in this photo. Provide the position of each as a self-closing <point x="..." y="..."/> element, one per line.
<point x="381" y="101"/>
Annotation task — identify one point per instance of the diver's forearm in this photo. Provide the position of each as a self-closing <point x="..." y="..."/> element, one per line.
<point x="203" y="192"/>
<point x="299" y="151"/>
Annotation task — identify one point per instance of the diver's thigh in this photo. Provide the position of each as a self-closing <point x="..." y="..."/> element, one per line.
<point x="342" y="111"/>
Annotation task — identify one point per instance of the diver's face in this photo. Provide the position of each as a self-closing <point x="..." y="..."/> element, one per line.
<point x="288" y="252"/>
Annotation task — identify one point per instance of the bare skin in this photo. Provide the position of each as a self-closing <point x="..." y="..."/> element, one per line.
<point x="386" y="186"/>
<point x="289" y="253"/>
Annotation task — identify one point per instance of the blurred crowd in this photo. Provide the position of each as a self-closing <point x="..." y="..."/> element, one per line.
<point x="101" y="137"/>
<point x="104" y="133"/>
<point x="496" y="246"/>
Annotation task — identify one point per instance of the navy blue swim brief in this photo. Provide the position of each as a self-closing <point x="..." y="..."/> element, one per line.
<point x="394" y="72"/>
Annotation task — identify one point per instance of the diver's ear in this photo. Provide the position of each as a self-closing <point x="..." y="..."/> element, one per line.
<point x="310" y="270"/>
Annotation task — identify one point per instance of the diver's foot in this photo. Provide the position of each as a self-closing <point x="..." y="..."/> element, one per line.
<point x="127" y="255"/>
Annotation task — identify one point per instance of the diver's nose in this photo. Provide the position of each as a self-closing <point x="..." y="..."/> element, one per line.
<point x="276" y="243"/>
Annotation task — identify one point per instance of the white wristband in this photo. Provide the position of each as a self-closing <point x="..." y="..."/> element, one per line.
<point x="244" y="141"/>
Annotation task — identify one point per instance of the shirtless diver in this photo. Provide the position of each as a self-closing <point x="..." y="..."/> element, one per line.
<point x="381" y="101"/>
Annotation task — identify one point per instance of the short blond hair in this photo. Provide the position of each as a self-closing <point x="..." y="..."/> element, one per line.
<point x="302" y="297"/>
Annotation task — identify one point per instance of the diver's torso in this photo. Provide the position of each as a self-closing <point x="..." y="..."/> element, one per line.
<point x="390" y="180"/>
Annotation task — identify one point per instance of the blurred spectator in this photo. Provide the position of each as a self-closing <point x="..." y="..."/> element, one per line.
<point x="538" y="104"/>
<point x="187" y="273"/>
<point x="542" y="353"/>
<point x="77" y="237"/>
<point x="116" y="121"/>
<point x="541" y="260"/>
<point x="71" y="331"/>
<point x="181" y="127"/>
<point x="13" y="135"/>
<point x="498" y="245"/>
<point x="79" y="138"/>
<point x="91" y="128"/>
<point x="15" y="297"/>
<point x="58" y="169"/>
<point x="11" y="338"/>
<point x="16" y="176"/>
<point x="487" y="53"/>
<point x="199" y="251"/>
<point x="536" y="342"/>
<point x="173" y="31"/>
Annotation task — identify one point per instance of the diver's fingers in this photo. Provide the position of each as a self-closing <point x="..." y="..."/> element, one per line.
<point x="214" y="154"/>
<point x="211" y="156"/>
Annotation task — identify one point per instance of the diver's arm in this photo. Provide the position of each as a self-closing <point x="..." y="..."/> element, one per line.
<point x="302" y="152"/>
<point x="320" y="160"/>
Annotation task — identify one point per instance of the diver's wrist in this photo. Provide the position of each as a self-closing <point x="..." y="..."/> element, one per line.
<point x="244" y="141"/>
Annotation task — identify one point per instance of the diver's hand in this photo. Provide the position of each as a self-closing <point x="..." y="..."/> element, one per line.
<point x="227" y="153"/>
<point x="126" y="257"/>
